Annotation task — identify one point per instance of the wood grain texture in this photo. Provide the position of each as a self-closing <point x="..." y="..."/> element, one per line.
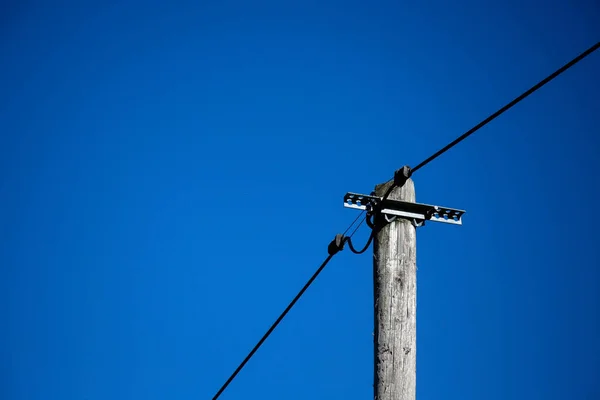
<point x="395" y="293"/>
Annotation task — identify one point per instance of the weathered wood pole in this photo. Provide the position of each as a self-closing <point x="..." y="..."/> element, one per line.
<point x="395" y="292"/>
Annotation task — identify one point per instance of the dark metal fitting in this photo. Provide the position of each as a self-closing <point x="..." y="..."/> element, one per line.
<point x="402" y="175"/>
<point x="336" y="244"/>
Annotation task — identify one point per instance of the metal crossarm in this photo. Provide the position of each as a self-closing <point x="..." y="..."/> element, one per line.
<point x="413" y="211"/>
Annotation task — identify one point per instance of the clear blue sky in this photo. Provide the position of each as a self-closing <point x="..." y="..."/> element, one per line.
<point x="170" y="176"/>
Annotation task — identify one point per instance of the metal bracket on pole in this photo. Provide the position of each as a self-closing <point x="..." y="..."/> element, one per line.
<point x="416" y="212"/>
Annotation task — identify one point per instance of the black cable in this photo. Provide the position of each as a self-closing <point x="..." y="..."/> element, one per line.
<point x="272" y="328"/>
<point x="475" y="129"/>
<point x="373" y="232"/>
<point x="509" y="105"/>
<point x="353" y="222"/>
<point x="289" y="307"/>
<point x="358" y="226"/>
<point x="352" y="249"/>
<point x="388" y="191"/>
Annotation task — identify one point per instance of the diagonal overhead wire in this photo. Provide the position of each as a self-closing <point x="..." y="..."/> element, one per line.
<point x="508" y="106"/>
<point x="288" y="308"/>
<point x="341" y="239"/>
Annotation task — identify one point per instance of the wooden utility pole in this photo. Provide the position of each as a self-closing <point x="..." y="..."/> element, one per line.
<point x="395" y="291"/>
<point x="393" y="214"/>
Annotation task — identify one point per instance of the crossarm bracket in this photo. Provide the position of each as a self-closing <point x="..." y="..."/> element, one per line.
<point x="412" y="211"/>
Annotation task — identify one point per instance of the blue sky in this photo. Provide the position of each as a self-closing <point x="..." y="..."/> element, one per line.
<point x="171" y="175"/>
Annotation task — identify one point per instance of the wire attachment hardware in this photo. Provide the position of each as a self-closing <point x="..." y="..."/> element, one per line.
<point x="416" y="212"/>
<point x="336" y="245"/>
<point x="402" y="175"/>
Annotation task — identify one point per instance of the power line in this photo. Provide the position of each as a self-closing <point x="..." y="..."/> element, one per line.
<point x="358" y="226"/>
<point x="508" y="106"/>
<point x="353" y="222"/>
<point x="336" y="245"/>
<point x="369" y="240"/>
<point x="401" y="175"/>
<point x="272" y="328"/>
<point x="365" y="247"/>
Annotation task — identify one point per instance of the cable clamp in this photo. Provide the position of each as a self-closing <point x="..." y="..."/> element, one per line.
<point x="337" y="244"/>
<point x="402" y="175"/>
